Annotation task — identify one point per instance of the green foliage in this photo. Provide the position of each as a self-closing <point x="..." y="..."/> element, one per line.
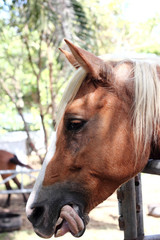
<point x="36" y="28"/>
<point x="148" y="39"/>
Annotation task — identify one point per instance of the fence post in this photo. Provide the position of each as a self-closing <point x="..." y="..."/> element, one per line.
<point x="139" y="206"/>
<point x="127" y="204"/>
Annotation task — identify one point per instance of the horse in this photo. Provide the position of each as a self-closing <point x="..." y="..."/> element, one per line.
<point x="107" y="127"/>
<point x="9" y="161"/>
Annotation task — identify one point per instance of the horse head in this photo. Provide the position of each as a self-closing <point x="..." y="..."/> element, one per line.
<point x="94" y="151"/>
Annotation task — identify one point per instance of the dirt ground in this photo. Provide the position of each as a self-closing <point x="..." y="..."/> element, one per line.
<point x="103" y="219"/>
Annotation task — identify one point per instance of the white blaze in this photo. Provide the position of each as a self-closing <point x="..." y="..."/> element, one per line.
<point x="37" y="186"/>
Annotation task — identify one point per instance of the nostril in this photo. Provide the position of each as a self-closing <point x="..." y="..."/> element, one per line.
<point x="36" y="214"/>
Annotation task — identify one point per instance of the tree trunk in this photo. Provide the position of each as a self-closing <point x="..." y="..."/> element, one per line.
<point x="38" y="76"/>
<point x="51" y="81"/>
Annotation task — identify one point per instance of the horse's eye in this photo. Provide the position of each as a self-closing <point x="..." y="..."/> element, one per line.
<point x="75" y="124"/>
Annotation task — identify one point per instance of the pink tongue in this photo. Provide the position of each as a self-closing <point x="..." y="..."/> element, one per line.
<point x="71" y="222"/>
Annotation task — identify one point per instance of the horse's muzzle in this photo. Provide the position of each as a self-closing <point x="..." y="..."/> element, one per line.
<point x="58" y="211"/>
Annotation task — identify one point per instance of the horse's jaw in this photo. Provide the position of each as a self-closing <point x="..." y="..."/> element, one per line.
<point x="55" y="212"/>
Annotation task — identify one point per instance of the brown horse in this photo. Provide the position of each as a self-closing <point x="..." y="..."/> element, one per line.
<point x="9" y="161"/>
<point x="108" y="120"/>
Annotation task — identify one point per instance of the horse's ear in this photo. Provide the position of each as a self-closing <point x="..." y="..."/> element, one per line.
<point x="70" y="58"/>
<point x="91" y="63"/>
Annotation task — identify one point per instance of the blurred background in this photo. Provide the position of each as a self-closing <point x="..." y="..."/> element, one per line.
<point x="34" y="73"/>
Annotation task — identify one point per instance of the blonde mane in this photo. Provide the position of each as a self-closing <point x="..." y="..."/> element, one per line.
<point x="146" y="106"/>
<point x="147" y="102"/>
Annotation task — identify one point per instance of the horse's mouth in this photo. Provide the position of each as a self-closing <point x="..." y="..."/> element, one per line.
<point x="69" y="220"/>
